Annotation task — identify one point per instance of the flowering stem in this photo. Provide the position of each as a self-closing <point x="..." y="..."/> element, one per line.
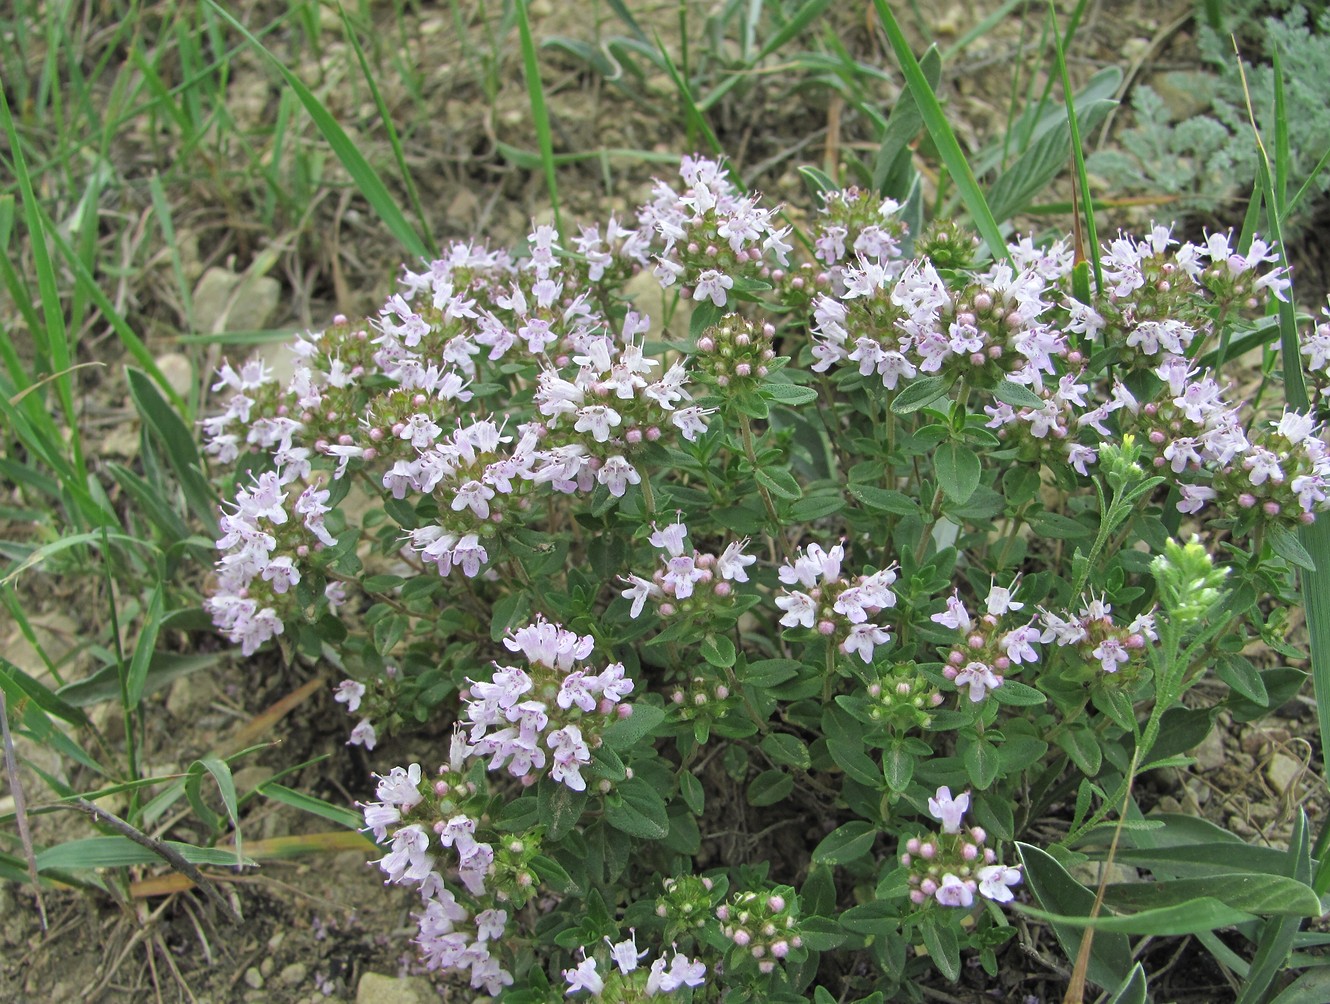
<point x="648" y="497"/>
<point x="934" y="511"/>
<point x="750" y="451"/>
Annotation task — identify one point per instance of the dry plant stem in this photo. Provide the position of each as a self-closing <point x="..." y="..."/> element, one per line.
<point x="169" y="855"/>
<point x="1076" y="990"/>
<point x="21" y="809"/>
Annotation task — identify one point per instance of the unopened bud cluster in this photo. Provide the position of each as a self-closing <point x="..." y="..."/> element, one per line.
<point x="686" y="903"/>
<point x="764" y="925"/>
<point x="903" y="699"/>
<point x="735" y="354"/>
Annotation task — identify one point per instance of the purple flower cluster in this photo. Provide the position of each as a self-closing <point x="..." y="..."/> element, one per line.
<point x="951" y="866"/>
<point x="662" y="977"/>
<point x="990" y="645"/>
<point x="834" y="605"/>
<point x="1097" y="638"/>
<point x="712" y="234"/>
<point x="686" y="572"/>
<point x="554" y="704"/>
<point x="451" y="937"/>
<point x="263" y="545"/>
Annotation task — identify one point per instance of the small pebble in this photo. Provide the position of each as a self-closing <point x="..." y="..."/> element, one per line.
<point x="293" y="975"/>
<point x="254" y="978"/>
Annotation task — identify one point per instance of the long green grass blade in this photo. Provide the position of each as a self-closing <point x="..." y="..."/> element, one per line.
<point x="50" y="335"/>
<point x="366" y="179"/>
<point x="939" y="129"/>
<point x="348" y="30"/>
<point x="539" y="111"/>
<point x="1077" y="150"/>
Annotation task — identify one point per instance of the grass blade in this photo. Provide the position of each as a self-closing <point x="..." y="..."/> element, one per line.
<point x="50" y="335"/>
<point x="393" y="140"/>
<point x="1077" y="150"/>
<point x="939" y="129"/>
<point x="366" y="179"/>
<point x="539" y="112"/>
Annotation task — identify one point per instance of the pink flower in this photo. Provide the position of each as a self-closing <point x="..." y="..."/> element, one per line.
<point x="948" y="810"/>
<point x="584" y="977"/>
<point x="349" y="692"/>
<point x="994" y="881"/>
<point x="953" y="892"/>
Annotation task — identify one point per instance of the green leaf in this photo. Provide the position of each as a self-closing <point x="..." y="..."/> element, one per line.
<point x="939" y="129"/>
<point x="821" y="934"/>
<point x="1057" y="526"/>
<point x="877" y="916"/>
<point x="918" y="394"/>
<point x="24" y="685"/>
<point x="770" y="787"/>
<point x="982" y="763"/>
<point x="1312" y="987"/>
<point x="1133" y="989"/>
<point x="769" y="672"/>
<point x="1249" y="893"/>
<point x="177" y="441"/>
<point x="884" y="500"/>
<point x="104" y="685"/>
<point x="121" y="852"/>
<point x="624" y="733"/>
<point x="226" y="786"/>
<point x="788" y="394"/>
<point x="957" y="468"/>
<point x="312" y="804"/>
<point x="694" y="795"/>
<point x="786" y="750"/>
<point x="1214" y="860"/>
<point x="1017" y="395"/>
<point x="137" y="676"/>
<point x="1082" y="745"/>
<point x="1242" y="677"/>
<point x="554" y="875"/>
<point x="560" y="808"/>
<point x="1018" y="695"/>
<point x="1192" y="917"/>
<point x="845" y="843"/>
<point x="898" y="766"/>
<point x="943" y="946"/>
<point x="718" y="650"/>
<point x="636" y="808"/>
<point x="1061" y="895"/>
<point x="1285" y="543"/>
<point x="779" y="482"/>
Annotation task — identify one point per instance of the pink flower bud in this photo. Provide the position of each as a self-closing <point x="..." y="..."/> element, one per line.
<point x="826" y="628"/>
<point x="776" y="903"/>
<point x="1271" y="508"/>
<point x="928" y="887"/>
<point x="1246" y="500"/>
<point x="742" y="938"/>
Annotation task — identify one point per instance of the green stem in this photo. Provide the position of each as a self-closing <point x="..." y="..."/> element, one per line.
<point x="750" y="451"/>
<point x="934" y="511"/>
